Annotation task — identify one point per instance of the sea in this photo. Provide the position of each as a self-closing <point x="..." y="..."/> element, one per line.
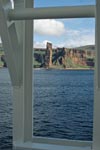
<point x="62" y="105"/>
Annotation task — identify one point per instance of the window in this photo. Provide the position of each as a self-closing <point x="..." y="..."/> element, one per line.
<point x="22" y="93"/>
<point x="64" y="87"/>
<point x="45" y="3"/>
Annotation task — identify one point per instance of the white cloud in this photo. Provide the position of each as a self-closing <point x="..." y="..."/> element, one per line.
<point x="67" y="37"/>
<point x="72" y="38"/>
<point x="41" y="44"/>
<point x="70" y="32"/>
<point x="49" y="27"/>
<point x="75" y="38"/>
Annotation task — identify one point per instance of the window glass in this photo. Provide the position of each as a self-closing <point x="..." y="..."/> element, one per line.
<point x="6" y="108"/>
<point x="64" y="56"/>
<point x="54" y="3"/>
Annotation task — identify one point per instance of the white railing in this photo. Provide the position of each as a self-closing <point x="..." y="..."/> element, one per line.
<point x="19" y="35"/>
<point x="53" y="12"/>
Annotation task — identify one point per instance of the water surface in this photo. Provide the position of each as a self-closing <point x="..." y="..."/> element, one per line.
<point x="63" y="105"/>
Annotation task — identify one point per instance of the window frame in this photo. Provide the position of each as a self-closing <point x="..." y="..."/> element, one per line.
<point x="22" y="99"/>
<point x="41" y="140"/>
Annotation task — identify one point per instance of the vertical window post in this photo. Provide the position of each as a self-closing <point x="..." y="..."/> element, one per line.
<point x="96" y="126"/>
<point x="27" y="75"/>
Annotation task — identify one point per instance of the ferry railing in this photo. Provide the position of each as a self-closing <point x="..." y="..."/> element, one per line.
<point x="16" y="29"/>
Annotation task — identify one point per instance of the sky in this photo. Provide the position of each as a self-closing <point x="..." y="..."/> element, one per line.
<point x="49" y="3"/>
<point x="64" y="32"/>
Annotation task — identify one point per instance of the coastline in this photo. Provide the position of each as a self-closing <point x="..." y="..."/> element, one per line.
<point x="1" y="67"/>
<point x="64" y="68"/>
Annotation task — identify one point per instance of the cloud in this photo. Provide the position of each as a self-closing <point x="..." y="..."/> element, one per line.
<point x="41" y="44"/>
<point x="75" y="38"/>
<point x="49" y="27"/>
<point x="71" y="32"/>
<point x="72" y="38"/>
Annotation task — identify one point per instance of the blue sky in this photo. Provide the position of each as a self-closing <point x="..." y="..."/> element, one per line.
<point x="49" y="3"/>
<point x="64" y="32"/>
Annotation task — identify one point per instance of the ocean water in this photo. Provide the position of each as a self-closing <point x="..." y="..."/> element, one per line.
<point x="5" y="110"/>
<point x="63" y="105"/>
<point x="63" y="101"/>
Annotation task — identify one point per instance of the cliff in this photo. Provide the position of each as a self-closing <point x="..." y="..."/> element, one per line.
<point x="82" y="57"/>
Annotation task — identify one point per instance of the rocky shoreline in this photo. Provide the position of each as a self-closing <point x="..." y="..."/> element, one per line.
<point x="1" y="67"/>
<point x="64" y="68"/>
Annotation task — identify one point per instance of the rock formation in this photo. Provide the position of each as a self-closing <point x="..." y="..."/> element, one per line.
<point x="60" y="57"/>
<point x="3" y="59"/>
<point x="48" y="56"/>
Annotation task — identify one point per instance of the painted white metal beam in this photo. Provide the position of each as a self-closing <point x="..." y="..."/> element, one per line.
<point x="40" y="146"/>
<point x="53" y="12"/>
<point x="64" y="142"/>
<point x="10" y="42"/>
<point x="18" y="91"/>
<point x="22" y="119"/>
<point x="17" y="40"/>
<point x="96" y="124"/>
<point x="27" y="75"/>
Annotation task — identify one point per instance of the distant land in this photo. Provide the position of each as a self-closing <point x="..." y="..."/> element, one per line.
<point x="87" y="47"/>
<point x="64" y="58"/>
<point x="59" y="58"/>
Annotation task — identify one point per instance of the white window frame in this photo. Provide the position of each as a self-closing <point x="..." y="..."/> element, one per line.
<point x="21" y="34"/>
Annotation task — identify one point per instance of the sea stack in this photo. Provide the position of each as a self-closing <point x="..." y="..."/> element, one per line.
<point x="48" y="55"/>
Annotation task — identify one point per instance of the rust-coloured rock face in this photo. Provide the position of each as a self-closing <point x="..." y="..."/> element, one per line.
<point x="61" y="57"/>
<point x="48" y="56"/>
<point x="78" y="57"/>
<point x="68" y="58"/>
<point x="75" y="58"/>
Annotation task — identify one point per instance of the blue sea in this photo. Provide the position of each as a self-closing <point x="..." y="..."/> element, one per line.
<point x="63" y="105"/>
